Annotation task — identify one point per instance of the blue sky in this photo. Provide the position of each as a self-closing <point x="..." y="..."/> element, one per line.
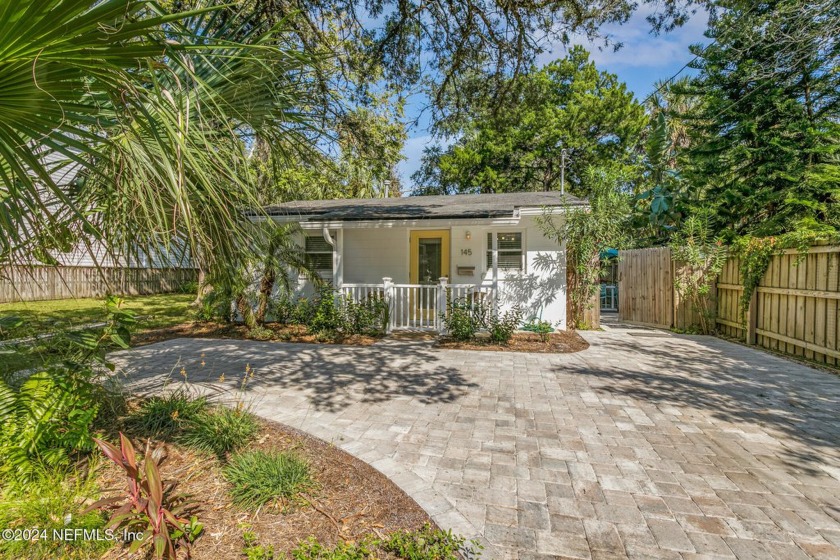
<point x="644" y="59"/>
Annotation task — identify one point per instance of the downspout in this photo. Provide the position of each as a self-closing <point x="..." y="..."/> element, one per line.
<point x="338" y="264"/>
<point x="328" y="238"/>
<point x="494" y="245"/>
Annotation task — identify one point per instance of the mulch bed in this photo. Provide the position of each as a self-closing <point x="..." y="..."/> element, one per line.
<point x="279" y="333"/>
<point x="351" y="499"/>
<point x="558" y="342"/>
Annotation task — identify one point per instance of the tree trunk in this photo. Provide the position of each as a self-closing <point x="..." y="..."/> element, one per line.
<point x="245" y="310"/>
<point x="266" y="287"/>
<point x="203" y="287"/>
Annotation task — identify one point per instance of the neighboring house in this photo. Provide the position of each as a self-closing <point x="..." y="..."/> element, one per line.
<point x="422" y="251"/>
<point x="93" y="253"/>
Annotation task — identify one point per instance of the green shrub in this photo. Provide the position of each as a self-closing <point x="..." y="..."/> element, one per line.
<point x="188" y="287"/>
<point x="542" y="328"/>
<point x="327" y="315"/>
<point x="430" y="544"/>
<point x="258" y="477"/>
<point x="281" y="309"/>
<point x="168" y="415"/>
<point x="458" y="320"/>
<point x="54" y="499"/>
<point x="369" y="316"/>
<point x="48" y="417"/>
<point x="302" y="312"/>
<point x="502" y="326"/>
<point x="216" y="305"/>
<point x="464" y="317"/>
<point x="221" y="430"/>
<point x="260" y="333"/>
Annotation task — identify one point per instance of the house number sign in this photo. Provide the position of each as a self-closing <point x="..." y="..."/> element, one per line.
<point x="466" y="251"/>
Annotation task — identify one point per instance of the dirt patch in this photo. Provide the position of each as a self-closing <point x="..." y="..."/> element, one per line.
<point x="351" y="500"/>
<point x="276" y="332"/>
<point x="558" y="342"/>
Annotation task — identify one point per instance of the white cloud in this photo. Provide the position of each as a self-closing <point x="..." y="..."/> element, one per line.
<point x="641" y="48"/>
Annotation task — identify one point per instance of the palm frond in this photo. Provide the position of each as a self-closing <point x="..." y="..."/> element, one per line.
<point x="154" y="113"/>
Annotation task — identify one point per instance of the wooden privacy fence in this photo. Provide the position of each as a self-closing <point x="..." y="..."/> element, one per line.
<point x="646" y="287"/>
<point x="795" y="308"/>
<point x="21" y="283"/>
<point x="646" y="293"/>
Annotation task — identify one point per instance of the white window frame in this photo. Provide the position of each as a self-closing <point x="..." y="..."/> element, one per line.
<point x="489" y="250"/>
<point x="326" y="272"/>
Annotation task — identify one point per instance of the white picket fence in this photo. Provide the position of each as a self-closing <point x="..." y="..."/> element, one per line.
<point x="416" y="306"/>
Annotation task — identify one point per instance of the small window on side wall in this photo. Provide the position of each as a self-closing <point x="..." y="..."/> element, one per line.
<point x="510" y="251"/>
<point x="319" y="253"/>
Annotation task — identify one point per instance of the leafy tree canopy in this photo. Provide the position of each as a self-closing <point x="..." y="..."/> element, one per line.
<point x="765" y="154"/>
<point x="569" y="104"/>
<point x="359" y="162"/>
<point x="399" y="45"/>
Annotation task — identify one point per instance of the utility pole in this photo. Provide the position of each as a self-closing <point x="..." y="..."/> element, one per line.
<point x="563" y="154"/>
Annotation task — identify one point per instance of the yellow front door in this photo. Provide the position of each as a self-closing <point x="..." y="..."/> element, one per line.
<point x="428" y="263"/>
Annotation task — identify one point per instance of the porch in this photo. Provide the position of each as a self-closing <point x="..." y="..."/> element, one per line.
<point x="418" y="306"/>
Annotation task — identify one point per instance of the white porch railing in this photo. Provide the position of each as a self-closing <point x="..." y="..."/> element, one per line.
<point x="361" y="292"/>
<point x="416" y="306"/>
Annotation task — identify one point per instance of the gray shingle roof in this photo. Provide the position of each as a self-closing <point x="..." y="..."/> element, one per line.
<point x="423" y="207"/>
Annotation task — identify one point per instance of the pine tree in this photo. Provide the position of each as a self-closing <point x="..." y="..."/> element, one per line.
<point x="765" y="138"/>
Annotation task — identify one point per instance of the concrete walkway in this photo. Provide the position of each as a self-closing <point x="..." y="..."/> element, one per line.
<point x="647" y="445"/>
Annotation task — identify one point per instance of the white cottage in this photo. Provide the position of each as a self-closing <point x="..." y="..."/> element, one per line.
<point x="419" y="251"/>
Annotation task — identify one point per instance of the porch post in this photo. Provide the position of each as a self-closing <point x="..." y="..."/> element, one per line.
<point x="495" y="246"/>
<point x="388" y="288"/>
<point x="441" y="305"/>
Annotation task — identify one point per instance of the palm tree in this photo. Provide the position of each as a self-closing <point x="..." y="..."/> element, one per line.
<point x="673" y="102"/>
<point x="154" y="113"/>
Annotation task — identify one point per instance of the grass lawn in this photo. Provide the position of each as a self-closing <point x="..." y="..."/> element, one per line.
<point x="44" y="316"/>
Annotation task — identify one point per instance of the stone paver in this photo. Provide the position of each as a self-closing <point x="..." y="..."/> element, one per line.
<point x="646" y="445"/>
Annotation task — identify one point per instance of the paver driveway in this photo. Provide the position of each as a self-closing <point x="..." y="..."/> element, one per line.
<point x="646" y="445"/>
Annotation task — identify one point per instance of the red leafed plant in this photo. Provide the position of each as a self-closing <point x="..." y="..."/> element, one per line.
<point x="150" y="509"/>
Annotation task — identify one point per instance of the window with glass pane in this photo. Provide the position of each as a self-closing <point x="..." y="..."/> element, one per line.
<point x="430" y="262"/>
<point x="510" y="251"/>
<point x="319" y="253"/>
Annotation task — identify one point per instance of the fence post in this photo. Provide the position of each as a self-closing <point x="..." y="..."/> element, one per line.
<point x="752" y="319"/>
<point x="388" y="288"/>
<point x="441" y="303"/>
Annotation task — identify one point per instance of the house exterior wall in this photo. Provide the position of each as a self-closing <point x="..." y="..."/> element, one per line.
<point x="373" y="254"/>
<point x="95" y="254"/>
<point x="539" y="289"/>
<point x="370" y="254"/>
